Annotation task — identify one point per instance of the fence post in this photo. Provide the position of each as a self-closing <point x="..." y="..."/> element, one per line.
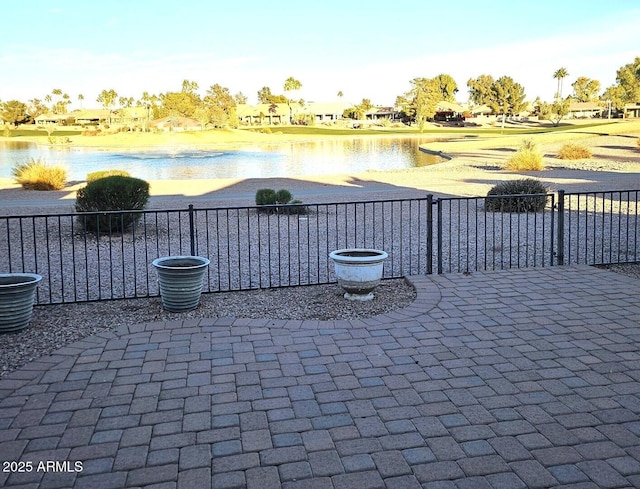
<point x="439" y="237"/>
<point x="192" y="232"/>
<point x="560" y="227"/>
<point x="429" y="234"/>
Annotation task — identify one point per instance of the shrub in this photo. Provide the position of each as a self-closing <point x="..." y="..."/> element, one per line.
<point x="528" y="145"/>
<point x="283" y="196"/>
<point x="295" y="207"/>
<point x="57" y="140"/>
<point x="96" y="175"/>
<point x="525" y="160"/>
<point x="37" y="175"/>
<point x="282" y="200"/>
<point x="512" y="196"/>
<point x="571" y="151"/>
<point x="266" y="196"/>
<point x="528" y="158"/>
<point x="114" y="193"/>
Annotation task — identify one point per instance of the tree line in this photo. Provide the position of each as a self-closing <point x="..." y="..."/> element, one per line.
<point x="218" y="107"/>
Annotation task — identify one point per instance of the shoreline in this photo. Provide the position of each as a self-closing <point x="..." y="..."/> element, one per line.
<point x="467" y="136"/>
<point x="476" y="165"/>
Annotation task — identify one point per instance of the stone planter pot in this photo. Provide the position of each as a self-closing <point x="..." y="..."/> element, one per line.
<point x="180" y="280"/>
<point x="17" y="295"/>
<point x="358" y="271"/>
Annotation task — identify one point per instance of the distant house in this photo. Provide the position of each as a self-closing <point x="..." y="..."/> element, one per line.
<point x="273" y="114"/>
<point x="583" y="110"/>
<point x="129" y="116"/>
<point x="51" y="118"/>
<point x="326" y="111"/>
<point x="83" y="117"/>
<point x="268" y="114"/>
<point x="480" y="110"/>
<point x="631" y="111"/>
<point x="448" y="111"/>
<point x="379" y="113"/>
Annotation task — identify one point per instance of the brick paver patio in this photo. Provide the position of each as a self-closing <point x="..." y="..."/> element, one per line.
<point x="520" y="378"/>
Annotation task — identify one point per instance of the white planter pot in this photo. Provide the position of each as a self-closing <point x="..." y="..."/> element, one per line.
<point x="180" y="280"/>
<point x="358" y="271"/>
<point x="17" y="295"/>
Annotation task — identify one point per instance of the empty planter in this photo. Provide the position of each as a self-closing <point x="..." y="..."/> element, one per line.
<point x="17" y="295"/>
<point x="358" y="271"/>
<point x="180" y="280"/>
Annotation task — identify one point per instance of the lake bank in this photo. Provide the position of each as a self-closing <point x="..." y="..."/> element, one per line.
<point x="485" y="136"/>
<point x="219" y="138"/>
<point x="472" y="171"/>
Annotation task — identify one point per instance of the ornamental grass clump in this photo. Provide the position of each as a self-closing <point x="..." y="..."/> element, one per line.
<point x="114" y="193"/>
<point x="97" y="175"/>
<point x="527" y="158"/>
<point x="572" y="151"/>
<point x="37" y="175"/>
<point x="523" y="195"/>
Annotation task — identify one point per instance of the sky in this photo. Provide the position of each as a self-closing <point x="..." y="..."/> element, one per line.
<point x="362" y="48"/>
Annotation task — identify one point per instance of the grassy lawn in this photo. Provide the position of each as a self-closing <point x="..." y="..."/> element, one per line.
<point x="35" y="132"/>
<point x="494" y="130"/>
<point x="442" y="138"/>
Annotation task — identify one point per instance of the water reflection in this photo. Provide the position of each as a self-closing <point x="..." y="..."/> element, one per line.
<point x="253" y="161"/>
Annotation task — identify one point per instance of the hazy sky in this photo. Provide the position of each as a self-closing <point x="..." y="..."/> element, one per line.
<point x="364" y="48"/>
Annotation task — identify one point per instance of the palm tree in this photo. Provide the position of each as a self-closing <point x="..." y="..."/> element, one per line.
<point x="107" y="98"/>
<point x="56" y="93"/>
<point x="290" y="85"/>
<point x="560" y="75"/>
<point x="80" y="99"/>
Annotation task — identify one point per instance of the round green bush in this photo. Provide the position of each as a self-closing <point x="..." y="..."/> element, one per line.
<point x="283" y="196"/>
<point x="523" y="195"/>
<point x="114" y="193"/>
<point x="266" y="196"/>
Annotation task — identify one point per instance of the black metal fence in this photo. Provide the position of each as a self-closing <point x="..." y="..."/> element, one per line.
<point x="470" y="237"/>
<point x="249" y="247"/>
<point x="599" y="227"/>
<point x="261" y="247"/>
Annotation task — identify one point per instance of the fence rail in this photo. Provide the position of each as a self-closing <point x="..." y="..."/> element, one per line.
<point x="472" y="238"/>
<point x="262" y="247"/>
<point x="601" y="227"/>
<point x="249" y="247"/>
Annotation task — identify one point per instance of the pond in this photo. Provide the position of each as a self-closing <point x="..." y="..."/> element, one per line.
<point x="249" y="161"/>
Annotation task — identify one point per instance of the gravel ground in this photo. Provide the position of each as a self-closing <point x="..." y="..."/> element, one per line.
<point x="628" y="269"/>
<point x="54" y="326"/>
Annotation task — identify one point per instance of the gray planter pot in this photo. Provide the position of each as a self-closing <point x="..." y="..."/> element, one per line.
<point x="180" y="280"/>
<point x="358" y="271"/>
<point x="17" y="295"/>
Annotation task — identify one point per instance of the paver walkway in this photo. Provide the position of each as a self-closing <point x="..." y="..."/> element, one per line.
<point x="521" y="378"/>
